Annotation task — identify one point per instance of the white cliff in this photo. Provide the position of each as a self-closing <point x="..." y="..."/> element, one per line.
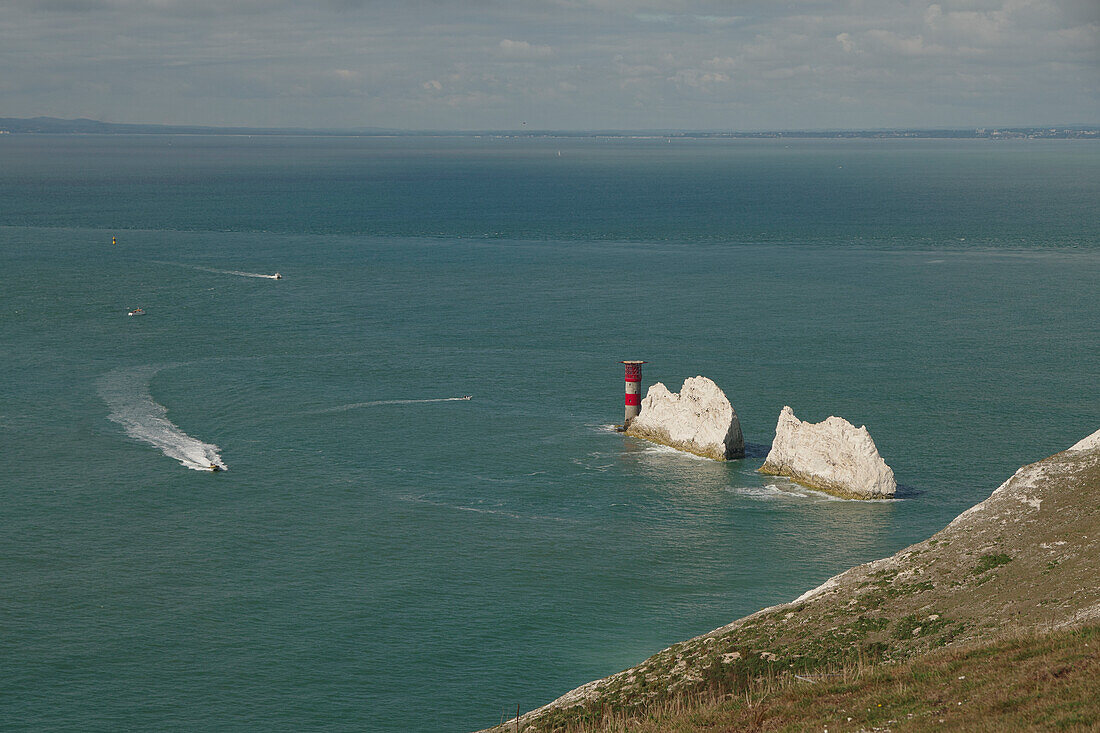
<point x="698" y="420"/>
<point x="1092" y="442"/>
<point x="832" y="456"/>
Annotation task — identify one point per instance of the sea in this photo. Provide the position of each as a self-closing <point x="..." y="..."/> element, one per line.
<point x="379" y="554"/>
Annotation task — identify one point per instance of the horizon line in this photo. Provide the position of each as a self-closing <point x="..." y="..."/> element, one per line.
<point x="85" y="122"/>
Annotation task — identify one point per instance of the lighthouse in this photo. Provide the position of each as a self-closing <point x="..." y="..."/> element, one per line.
<point x="633" y="391"/>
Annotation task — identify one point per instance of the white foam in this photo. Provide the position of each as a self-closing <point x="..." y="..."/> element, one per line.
<point x="246" y="274"/>
<point x="239" y="273"/>
<point x="806" y="492"/>
<point x="126" y="392"/>
<point x="789" y="490"/>
<point x="770" y="491"/>
<point x="480" y="510"/>
<point x="656" y="449"/>
<point x="587" y="463"/>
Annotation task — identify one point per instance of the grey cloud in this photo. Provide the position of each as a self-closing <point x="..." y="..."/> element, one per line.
<point x="567" y="63"/>
<point x="523" y="50"/>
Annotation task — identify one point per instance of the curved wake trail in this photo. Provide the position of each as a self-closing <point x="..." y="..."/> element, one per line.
<point x="357" y="405"/>
<point x="126" y="392"/>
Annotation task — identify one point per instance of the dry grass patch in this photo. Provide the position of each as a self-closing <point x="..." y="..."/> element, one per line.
<point x="1028" y="682"/>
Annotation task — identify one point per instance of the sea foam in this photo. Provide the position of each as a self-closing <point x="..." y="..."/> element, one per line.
<point x="239" y="273"/>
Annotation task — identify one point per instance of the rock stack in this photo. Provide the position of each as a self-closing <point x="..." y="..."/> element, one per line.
<point x="699" y="419"/>
<point x="832" y="456"/>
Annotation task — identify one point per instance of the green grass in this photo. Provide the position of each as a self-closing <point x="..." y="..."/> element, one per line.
<point x="1016" y="683"/>
<point x="988" y="562"/>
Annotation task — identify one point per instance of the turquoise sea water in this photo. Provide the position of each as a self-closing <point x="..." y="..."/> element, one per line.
<point x="379" y="556"/>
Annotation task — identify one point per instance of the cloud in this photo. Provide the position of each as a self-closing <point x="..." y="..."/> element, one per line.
<point x="524" y="50"/>
<point x="698" y="79"/>
<point x="567" y="63"/>
<point x="896" y="44"/>
<point x="724" y="63"/>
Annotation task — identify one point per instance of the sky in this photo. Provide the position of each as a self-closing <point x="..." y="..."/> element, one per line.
<point x="554" y="64"/>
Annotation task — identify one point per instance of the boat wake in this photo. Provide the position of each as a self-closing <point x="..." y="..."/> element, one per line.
<point x="126" y="392"/>
<point x="481" y="510"/>
<point x="238" y="273"/>
<point x="243" y="274"/>
<point x="375" y="403"/>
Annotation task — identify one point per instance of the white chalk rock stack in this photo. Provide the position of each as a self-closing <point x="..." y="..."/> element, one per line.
<point x="832" y="456"/>
<point x="698" y="420"/>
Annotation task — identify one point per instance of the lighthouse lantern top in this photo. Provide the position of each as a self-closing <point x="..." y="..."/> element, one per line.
<point x="633" y="370"/>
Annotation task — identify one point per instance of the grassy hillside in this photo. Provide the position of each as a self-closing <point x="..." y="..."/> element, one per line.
<point x="1024" y="561"/>
<point x="1036" y="681"/>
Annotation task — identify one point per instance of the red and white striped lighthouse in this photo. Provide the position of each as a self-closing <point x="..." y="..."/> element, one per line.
<point x="633" y="390"/>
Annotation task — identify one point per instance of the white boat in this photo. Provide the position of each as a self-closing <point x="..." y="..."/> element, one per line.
<point x="136" y="312"/>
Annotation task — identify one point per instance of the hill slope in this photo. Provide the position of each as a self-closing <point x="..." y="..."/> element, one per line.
<point x="1027" y="558"/>
<point x="1035" y="681"/>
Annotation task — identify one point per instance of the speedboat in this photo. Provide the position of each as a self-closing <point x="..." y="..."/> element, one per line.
<point x="277" y="276"/>
<point x="215" y="467"/>
<point x="467" y="397"/>
<point x="136" y="312"/>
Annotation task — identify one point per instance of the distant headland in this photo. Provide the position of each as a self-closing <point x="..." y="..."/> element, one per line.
<point x="58" y="126"/>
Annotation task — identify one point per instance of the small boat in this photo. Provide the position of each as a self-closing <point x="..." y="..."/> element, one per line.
<point x="136" y="312"/>
<point x="467" y="396"/>
<point x="215" y="467"/>
<point x="277" y="276"/>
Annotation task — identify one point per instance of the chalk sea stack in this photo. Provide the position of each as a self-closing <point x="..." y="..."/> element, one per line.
<point x="699" y="419"/>
<point x="832" y="456"/>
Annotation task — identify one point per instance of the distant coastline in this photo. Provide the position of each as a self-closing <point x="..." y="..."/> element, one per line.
<point x="57" y="126"/>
